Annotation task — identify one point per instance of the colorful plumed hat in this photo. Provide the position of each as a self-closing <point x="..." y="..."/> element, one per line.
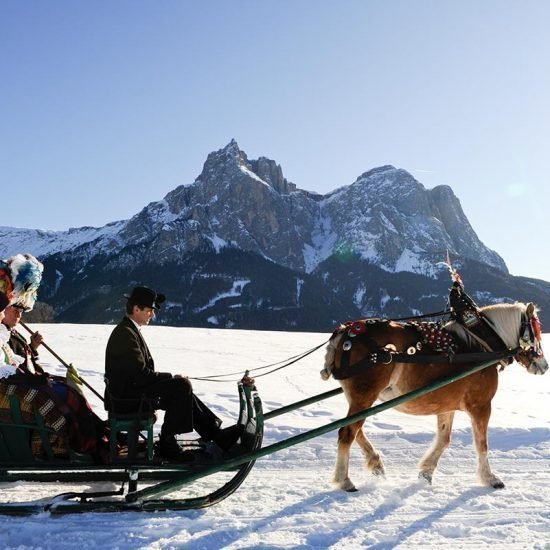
<point x="20" y="278"/>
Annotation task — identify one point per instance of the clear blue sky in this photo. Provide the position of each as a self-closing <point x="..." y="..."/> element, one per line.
<point x="107" y="105"/>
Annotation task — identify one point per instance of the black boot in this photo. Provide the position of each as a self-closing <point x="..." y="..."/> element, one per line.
<point x="168" y="448"/>
<point x="226" y="438"/>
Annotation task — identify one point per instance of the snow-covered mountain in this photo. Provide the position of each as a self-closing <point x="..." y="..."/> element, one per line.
<point x="385" y="216"/>
<point x="245" y="221"/>
<point x="40" y="243"/>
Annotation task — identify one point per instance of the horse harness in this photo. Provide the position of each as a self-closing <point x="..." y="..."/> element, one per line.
<point x="442" y="346"/>
<point x="469" y="315"/>
<point x="466" y="312"/>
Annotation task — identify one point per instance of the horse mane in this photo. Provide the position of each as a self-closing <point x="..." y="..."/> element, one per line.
<point x="505" y="319"/>
<point x="330" y="355"/>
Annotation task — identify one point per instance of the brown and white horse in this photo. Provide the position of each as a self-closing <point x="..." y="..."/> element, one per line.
<point x="515" y="324"/>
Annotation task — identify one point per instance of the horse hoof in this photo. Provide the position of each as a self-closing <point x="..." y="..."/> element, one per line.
<point x="378" y="472"/>
<point x="426" y="476"/>
<point x="494" y="482"/>
<point x="347" y="486"/>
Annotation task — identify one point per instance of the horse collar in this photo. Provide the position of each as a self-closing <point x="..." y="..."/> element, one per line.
<point x="467" y="313"/>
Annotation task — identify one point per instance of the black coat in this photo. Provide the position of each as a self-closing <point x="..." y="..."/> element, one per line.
<point x="130" y="374"/>
<point x="129" y="366"/>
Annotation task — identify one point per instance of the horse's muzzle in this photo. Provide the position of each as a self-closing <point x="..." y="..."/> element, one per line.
<point x="538" y="366"/>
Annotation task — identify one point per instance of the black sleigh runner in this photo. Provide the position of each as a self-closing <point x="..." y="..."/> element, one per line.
<point x="48" y="433"/>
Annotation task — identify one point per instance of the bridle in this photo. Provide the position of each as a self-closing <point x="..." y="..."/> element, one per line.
<point x="530" y="338"/>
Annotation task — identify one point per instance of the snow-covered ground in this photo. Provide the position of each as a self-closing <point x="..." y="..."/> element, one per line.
<point x="287" y="501"/>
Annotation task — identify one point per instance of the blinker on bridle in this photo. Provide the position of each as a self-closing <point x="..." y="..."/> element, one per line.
<point x="530" y="339"/>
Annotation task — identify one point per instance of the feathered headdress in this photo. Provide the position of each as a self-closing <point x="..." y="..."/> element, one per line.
<point x="20" y="278"/>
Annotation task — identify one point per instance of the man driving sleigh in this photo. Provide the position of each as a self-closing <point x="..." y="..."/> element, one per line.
<point x="131" y="378"/>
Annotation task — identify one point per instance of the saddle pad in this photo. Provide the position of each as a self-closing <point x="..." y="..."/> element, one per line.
<point x="436" y="337"/>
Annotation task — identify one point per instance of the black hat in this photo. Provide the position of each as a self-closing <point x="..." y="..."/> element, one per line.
<point x="145" y="297"/>
<point x="4" y="301"/>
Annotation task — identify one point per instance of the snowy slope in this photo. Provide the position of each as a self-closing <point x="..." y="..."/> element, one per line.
<point x="287" y="501"/>
<point x="41" y="243"/>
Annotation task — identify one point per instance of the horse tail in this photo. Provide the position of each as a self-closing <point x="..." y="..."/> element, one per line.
<point x="330" y="355"/>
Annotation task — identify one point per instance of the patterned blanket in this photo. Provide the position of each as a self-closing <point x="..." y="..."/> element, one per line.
<point x="31" y="399"/>
<point x="436" y="337"/>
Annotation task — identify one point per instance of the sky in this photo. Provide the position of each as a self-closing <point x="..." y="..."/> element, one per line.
<point x="107" y="106"/>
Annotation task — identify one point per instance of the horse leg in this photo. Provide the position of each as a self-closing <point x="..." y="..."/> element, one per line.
<point x="480" y="422"/>
<point x="442" y="439"/>
<point x="346" y="436"/>
<point x="372" y="458"/>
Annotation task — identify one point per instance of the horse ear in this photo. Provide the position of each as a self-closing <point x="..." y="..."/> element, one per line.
<point x="530" y="310"/>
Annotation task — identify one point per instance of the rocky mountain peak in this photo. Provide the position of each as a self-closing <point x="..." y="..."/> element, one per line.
<point x="272" y="173"/>
<point x="376" y="172"/>
<point x="387" y="175"/>
<point x="233" y="151"/>
<point x="223" y="162"/>
<point x="232" y="164"/>
<point x="389" y="184"/>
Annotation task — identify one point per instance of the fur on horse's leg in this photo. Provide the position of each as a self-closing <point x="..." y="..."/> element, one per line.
<point x="372" y="458"/>
<point x="480" y="422"/>
<point x="346" y="437"/>
<point x="442" y="439"/>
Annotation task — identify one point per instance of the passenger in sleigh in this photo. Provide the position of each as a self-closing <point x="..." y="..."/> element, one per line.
<point x="20" y="278"/>
<point x="18" y="343"/>
<point x="14" y="383"/>
<point x="130" y="375"/>
<point x="86" y="431"/>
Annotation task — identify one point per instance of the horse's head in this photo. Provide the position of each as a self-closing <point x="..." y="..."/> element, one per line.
<point x="531" y="355"/>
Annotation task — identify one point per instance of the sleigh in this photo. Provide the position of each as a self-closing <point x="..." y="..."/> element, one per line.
<point x="33" y="448"/>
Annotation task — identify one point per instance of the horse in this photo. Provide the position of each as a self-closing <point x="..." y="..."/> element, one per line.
<point x="382" y="346"/>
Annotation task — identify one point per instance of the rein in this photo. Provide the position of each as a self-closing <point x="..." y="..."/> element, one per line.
<point x="485" y="335"/>
<point x="296" y="358"/>
<point x="287" y="363"/>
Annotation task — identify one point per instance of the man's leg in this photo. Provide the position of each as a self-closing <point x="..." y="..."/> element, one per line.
<point x="185" y="412"/>
<point x="205" y="422"/>
<point x="175" y="396"/>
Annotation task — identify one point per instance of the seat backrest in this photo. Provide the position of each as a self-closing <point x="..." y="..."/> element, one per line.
<point x="117" y="407"/>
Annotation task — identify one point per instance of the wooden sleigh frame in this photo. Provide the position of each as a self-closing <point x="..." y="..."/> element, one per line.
<point x="17" y="463"/>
